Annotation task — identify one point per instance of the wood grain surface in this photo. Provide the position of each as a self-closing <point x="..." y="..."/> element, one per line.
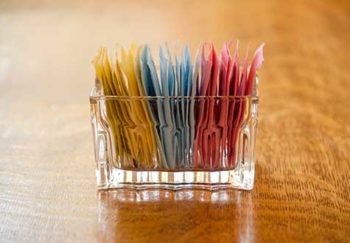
<point x="47" y="181"/>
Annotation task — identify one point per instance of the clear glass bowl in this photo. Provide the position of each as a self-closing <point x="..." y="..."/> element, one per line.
<point x="174" y="142"/>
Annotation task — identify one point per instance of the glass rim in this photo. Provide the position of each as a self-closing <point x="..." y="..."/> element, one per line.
<point x="95" y="96"/>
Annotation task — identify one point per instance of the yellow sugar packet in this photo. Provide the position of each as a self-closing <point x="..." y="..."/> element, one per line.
<point x="133" y="143"/>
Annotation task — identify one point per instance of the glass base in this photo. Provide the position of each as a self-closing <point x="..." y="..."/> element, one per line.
<point x="239" y="178"/>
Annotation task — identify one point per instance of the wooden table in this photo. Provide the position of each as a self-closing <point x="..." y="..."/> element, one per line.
<point x="47" y="181"/>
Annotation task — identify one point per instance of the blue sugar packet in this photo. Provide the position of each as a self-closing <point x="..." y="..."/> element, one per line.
<point x="178" y="114"/>
<point x="168" y="128"/>
<point x="174" y="117"/>
<point x="151" y="87"/>
<point x="181" y="112"/>
<point x="185" y="84"/>
<point x="193" y="93"/>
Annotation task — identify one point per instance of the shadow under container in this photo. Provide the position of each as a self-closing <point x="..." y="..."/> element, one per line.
<point x="174" y="142"/>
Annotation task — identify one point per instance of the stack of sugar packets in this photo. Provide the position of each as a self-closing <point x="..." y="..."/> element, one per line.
<point x="181" y="113"/>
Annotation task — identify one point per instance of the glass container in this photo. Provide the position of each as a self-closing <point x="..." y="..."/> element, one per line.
<point x="205" y="142"/>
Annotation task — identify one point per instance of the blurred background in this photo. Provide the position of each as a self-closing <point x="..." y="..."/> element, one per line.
<point x="51" y="43"/>
<point x="47" y="181"/>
